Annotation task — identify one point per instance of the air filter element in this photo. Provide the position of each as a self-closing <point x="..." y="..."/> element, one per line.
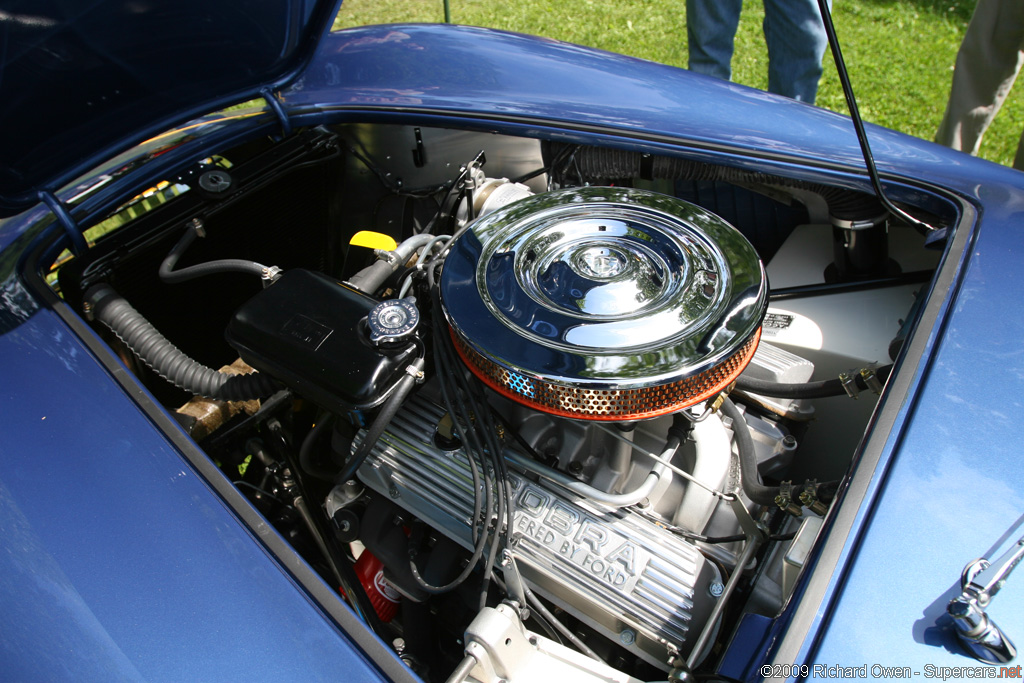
<point x="604" y="303"/>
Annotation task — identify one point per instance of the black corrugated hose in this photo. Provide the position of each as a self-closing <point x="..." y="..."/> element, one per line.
<point x="164" y="358"/>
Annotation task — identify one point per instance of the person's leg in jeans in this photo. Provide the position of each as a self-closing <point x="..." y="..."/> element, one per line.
<point x="986" y="66"/>
<point x="711" y="28"/>
<point x="796" y="43"/>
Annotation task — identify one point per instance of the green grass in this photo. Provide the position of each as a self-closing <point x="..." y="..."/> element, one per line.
<point x="900" y="53"/>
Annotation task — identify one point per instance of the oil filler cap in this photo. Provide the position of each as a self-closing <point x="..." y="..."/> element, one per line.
<point x="393" y="321"/>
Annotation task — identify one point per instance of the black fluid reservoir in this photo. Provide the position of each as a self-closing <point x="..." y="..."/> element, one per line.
<point x="309" y="331"/>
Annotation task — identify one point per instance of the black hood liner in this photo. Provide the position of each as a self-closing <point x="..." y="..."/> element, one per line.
<point x="80" y="79"/>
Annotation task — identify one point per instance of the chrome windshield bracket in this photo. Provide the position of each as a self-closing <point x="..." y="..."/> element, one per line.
<point x="980" y="582"/>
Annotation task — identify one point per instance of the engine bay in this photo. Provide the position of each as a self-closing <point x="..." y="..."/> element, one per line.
<point x="526" y="404"/>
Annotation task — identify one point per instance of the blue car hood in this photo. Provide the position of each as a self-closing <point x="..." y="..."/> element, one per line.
<point x="81" y="80"/>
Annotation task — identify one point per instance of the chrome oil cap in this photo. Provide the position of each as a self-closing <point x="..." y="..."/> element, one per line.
<point x="604" y="302"/>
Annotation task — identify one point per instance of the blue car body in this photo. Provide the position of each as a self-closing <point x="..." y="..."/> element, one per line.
<point x="127" y="554"/>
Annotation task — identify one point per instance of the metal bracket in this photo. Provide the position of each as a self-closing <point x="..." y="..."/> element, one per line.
<point x="275" y="106"/>
<point x="383" y="476"/>
<point x="419" y="154"/>
<point x="60" y="211"/>
<point x="751" y="528"/>
<point x="499" y="648"/>
<point x="980" y="581"/>
<point x="513" y="579"/>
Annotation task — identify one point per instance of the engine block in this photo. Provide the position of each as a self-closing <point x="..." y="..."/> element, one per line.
<point x="613" y="569"/>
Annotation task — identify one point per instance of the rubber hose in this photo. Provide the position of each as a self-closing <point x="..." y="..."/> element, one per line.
<point x="173" y="277"/>
<point x="369" y="279"/>
<point x="752" y="486"/>
<point x="164" y="358"/>
<point x="378" y="426"/>
<point x="820" y="389"/>
<point x="212" y="268"/>
<point x="306" y="459"/>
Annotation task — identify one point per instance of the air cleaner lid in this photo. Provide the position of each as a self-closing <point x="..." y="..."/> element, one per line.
<point x="602" y="288"/>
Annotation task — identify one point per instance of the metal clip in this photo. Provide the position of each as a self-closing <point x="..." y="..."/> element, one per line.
<point x="871" y="380"/>
<point x="809" y="498"/>
<point x="849" y="383"/>
<point x="785" y="500"/>
<point x="415" y="371"/>
<point x="270" y="275"/>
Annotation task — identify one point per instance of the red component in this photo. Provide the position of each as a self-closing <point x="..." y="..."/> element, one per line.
<point x="383" y="595"/>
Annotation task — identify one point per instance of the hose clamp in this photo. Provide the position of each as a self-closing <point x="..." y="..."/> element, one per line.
<point x="786" y="501"/>
<point x="849" y="383"/>
<point x="270" y="275"/>
<point x="871" y="380"/>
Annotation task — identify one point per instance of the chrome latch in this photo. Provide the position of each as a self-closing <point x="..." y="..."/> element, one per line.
<point x="980" y="582"/>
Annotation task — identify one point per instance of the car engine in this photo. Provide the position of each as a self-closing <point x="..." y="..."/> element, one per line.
<point x="524" y="403"/>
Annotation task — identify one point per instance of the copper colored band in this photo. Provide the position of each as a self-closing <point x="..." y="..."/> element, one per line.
<point x="608" y="404"/>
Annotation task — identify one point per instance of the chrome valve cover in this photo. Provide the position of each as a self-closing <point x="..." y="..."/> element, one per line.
<point x="604" y="303"/>
<point x="615" y="570"/>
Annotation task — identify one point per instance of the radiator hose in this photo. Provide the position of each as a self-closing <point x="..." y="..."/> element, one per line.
<point x="164" y="358"/>
<point x="751" y="479"/>
<point x="752" y="486"/>
<point x="171" y="276"/>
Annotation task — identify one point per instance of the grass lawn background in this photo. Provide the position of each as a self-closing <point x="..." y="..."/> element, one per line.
<point x="900" y="53"/>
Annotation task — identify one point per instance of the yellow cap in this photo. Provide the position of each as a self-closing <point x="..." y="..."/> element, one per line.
<point x="373" y="240"/>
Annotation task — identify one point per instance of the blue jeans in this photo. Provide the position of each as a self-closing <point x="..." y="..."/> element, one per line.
<point x="792" y="28"/>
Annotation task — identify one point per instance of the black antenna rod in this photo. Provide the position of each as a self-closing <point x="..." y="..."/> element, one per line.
<point x="858" y="123"/>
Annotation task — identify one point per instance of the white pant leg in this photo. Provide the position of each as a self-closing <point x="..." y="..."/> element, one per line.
<point x="986" y="66"/>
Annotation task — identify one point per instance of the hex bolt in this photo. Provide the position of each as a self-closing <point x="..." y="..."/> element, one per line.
<point x="716" y="588"/>
<point x="627" y="636"/>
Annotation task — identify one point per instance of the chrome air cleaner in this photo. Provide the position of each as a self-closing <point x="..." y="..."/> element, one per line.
<point x="604" y="303"/>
